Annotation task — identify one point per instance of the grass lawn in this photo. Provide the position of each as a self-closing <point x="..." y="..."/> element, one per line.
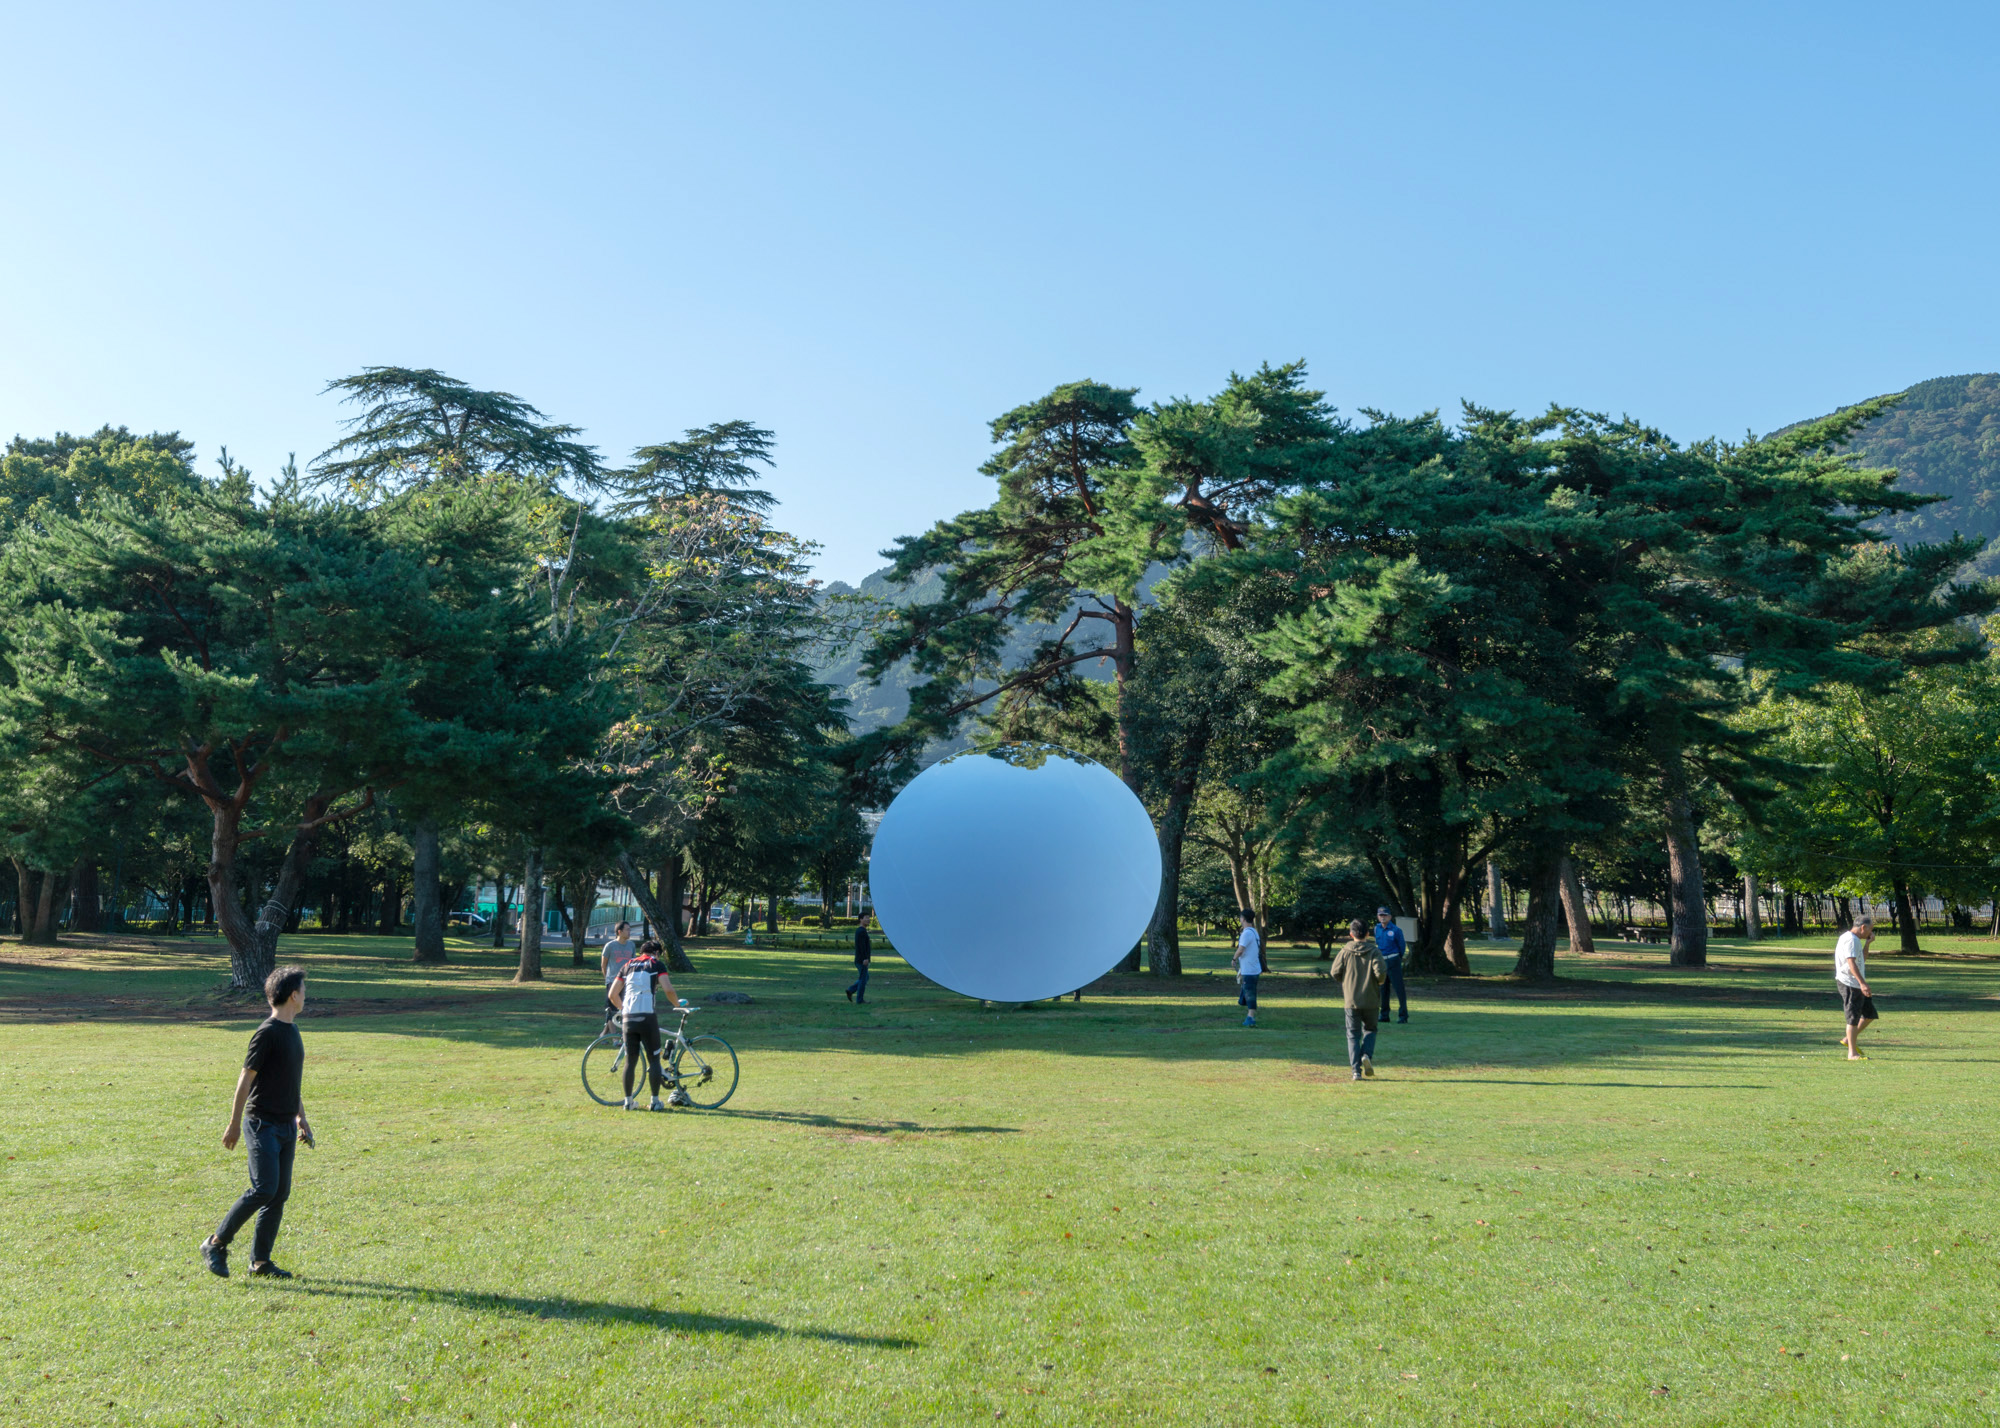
<point x="1643" y="1195"/>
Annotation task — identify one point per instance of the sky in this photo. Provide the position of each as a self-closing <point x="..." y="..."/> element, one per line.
<point x="874" y="228"/>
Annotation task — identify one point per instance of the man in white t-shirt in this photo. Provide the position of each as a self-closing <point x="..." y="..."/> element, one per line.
<point x="1249" y="964"/>
<point x="1850" y="975"/>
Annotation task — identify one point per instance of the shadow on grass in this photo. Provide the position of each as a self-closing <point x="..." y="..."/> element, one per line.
<point x="876" y="1127"/>
<point x="1615" y="1025"/>
<point x="596" y="1311"/>
<point x="1611" y="1085"/>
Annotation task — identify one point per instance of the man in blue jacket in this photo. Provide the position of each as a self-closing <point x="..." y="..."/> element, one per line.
<point x="1389" y="942"/>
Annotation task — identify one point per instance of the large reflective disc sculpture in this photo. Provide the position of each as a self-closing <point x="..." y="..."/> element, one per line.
<point x="1015" y="873"/>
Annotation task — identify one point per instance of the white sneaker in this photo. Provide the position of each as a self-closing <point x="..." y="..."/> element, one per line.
<point x="658" y="1105"/>
<point x="628" y="1104"/>
<point x="1367" y="1066"/>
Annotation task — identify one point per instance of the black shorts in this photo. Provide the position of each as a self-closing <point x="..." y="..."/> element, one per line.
<point x="642" y="1032"/>
<point x="1858" y="1005"/>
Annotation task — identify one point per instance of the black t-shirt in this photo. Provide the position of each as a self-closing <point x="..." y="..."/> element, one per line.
<point x="278" y="1055"/>
<point x="864" y="948"/>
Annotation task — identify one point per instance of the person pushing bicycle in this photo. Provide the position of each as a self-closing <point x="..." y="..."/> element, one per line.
<point x="643" y="979"/>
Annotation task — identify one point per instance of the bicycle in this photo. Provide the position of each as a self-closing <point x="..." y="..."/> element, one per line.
<point x="699" y="1066"/>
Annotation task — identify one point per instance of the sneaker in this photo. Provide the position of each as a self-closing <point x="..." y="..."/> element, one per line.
<point x="1367" y="1066"/>
<point x="680" y="1098"/>
<point x="1249" y="1021"/>
<point x="216" y="1257"/>
<point x="1357" y="1075"/>
<point x="1403" y="1020"/>
<point x="631" y="1103"/>
<point x="267" y="1270"/>
<point x="850" y="994"/>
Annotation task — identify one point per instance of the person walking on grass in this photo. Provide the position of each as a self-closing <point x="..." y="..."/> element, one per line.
<point x="864" y="953"/>
<point x="269" y="1108"/>
<point x="1249" y="964"/>
<point x="640" y="985"/>
<point x="1850" y="975"/>
<point x="619" y="949"/>
<point x="1389" y="942"/>
<point x="1358" y="967"/>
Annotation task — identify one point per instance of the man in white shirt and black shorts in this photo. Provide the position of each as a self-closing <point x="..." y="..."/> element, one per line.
<point x="1850" y="975"/>
<point x="1249" y="963"/>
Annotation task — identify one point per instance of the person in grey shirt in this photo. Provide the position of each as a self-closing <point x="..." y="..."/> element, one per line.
<point x="618" y="951"/>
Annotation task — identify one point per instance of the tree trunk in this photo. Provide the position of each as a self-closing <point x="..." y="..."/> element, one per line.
<point x="530" y="969"/>
<point x="1906" y="916"/>
<point x="392" y="905"/>
<point x="499" y="909"/>
<point x="428" y="910"/>
<point x="1576" y="909"/>
<point x="114" y="902"/>
<point x="582" y="904"/>
<point x="1123" y="621"/>
<point x="89" y="911"/>
<point x="670" y="927"/>
<point x="1753" y="922"/>
<point x="771" y="914"/>
<point x="253" y="943"/>
<point x="37" y="906"/>
<point x="1688" y="938"/>
<point x="1163" y="933"/>
<point x="1537" y="962"/>
<point x="1496" y="910"/>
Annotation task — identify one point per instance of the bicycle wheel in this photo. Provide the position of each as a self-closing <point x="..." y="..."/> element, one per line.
<point x="705" y="1068"/>
<point x="604" y="1070"/>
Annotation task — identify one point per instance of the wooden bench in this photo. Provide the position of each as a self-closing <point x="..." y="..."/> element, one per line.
<point x="1640" y="934"/>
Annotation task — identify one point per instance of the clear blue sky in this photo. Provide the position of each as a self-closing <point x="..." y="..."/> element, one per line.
<point x="873" y="228"/>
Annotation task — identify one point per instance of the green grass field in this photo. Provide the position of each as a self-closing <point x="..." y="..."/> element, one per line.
<point x="1642" y="1195"/>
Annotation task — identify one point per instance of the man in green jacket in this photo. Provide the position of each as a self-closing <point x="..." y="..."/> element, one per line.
<point x="1358" y="966"/>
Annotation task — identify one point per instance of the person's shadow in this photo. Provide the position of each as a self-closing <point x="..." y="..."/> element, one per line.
<point x="596" y="1311"/>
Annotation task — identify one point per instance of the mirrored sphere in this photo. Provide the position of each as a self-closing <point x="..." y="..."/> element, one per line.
<point x="1015" y="873"/>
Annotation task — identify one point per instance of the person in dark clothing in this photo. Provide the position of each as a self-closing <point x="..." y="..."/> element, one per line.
<point x="1389" y="942"/>
<point x="269" y="1108"/>
<point x="864" y="952"/>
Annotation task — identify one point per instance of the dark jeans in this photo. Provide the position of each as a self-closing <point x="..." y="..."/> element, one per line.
<point x="1246" y="993"/>
<point x="1360" y="1035"/>
<point x="1394" y="966"/>
<point x="642" y="1031"/>
<point x="271" y="1144"/>
<point x="860" y="984"/>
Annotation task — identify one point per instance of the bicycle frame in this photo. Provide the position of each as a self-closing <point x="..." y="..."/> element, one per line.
<point x="673" y="1046"/>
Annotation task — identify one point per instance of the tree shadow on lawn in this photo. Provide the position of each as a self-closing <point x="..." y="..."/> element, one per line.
<point x="874" y="1127"/>
<point x="589" y="1310"/>
<point x="1641" y="1035"/>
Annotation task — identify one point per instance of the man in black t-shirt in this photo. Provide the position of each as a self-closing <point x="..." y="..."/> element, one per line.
<point x="268" y="1107"/>
<point x="864" y="953"/>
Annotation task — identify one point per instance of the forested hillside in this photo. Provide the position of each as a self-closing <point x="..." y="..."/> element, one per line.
<point x="1944" y="437"/>
<point x="871" y="706"/>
